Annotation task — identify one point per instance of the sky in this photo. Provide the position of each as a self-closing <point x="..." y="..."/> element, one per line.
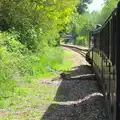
<point x="96" y="5"/>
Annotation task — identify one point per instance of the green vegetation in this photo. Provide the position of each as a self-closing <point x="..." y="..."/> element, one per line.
<point x="82" y="21"/>
<point x="33" y="96"/>
<point x="30" y="33"/>
<point x="29" y="41"/>
<point x="100" y="17"/>
<point x="29" y="102"/>
<point x="18" y="67"/>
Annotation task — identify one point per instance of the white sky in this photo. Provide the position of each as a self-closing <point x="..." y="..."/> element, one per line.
<point x="96" y="5"/>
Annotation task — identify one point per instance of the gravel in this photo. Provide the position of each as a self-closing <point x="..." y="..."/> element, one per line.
<point x="77" y="99"/>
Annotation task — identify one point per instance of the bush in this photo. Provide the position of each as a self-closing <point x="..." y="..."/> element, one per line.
<point x="18" y="64"/>
<point x="81" y="40"/>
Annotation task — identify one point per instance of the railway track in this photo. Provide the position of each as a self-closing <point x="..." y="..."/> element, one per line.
<point x="78" y="94"/>
<point x="82" y="51"/>
<point x="77" y="49"/>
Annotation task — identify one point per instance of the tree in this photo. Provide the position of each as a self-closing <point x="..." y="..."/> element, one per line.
<point x="36" y="21"/>
<point x="83" y="5"/>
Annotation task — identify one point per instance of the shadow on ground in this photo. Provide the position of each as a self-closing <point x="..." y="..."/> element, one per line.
<point x="77" y="99"/>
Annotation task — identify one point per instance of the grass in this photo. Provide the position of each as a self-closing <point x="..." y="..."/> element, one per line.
<point x="20" y="65"/>
<point x="31" y="99"/>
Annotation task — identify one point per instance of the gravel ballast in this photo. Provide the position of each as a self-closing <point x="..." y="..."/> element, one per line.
<point x="77" y="99"/>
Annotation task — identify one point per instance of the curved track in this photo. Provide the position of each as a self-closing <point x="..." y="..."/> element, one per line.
<point x="77" y="98"/>
<point x="77" y="49"/>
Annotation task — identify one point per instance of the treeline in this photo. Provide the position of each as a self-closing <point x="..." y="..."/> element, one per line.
<point x="29" y="38"/>
<point x="82" y="21"/>
<point x="35" y="21"/>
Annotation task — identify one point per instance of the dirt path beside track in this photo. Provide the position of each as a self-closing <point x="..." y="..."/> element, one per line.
<point x="60" y="98"/>
<point x="76" y="99"/>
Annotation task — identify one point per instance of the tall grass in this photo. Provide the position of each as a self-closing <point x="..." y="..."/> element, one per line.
<point x="19" y="65"/>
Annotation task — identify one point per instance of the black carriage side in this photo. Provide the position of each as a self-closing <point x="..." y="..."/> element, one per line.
<point x="105" y="59"/>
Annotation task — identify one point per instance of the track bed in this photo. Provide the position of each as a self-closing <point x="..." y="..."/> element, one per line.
<point x="77" y="99"/>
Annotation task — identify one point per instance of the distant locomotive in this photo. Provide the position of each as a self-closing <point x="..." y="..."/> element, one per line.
<point x="104" y="56"/>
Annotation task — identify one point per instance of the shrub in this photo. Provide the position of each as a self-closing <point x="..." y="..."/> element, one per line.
<point x="81" y="40"/>
<point x="18" y="64"/>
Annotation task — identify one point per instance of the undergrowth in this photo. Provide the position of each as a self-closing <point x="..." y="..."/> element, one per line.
<point x="18" y="65"/>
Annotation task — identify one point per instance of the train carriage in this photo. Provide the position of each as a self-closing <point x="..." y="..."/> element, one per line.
<point x="104" y="56"/>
